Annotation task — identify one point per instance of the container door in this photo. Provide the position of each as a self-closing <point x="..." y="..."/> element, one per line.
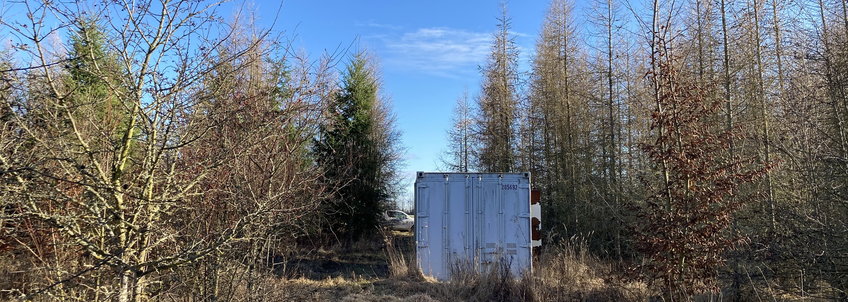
<point x="489" y="221"/>
<point x="503" y="222"/>
<point x="457" y="217"/>
<point x="473" y="219"/>
<point x="517" y="237"/>
<point x="429" y="208"/>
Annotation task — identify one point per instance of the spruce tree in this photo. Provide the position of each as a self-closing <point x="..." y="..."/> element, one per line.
<point x="94" y="77"/>
<point x="351" y="153"/>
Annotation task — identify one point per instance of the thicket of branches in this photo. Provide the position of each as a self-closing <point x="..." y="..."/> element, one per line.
<point x="714" y="163"/>
<point x="152" y="150"/>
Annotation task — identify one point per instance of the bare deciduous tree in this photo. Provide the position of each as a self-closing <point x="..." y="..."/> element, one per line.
<point x="174" y="180"/>
<point x="498" y="103"/>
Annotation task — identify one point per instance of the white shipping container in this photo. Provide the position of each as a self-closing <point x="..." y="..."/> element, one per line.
<point x="473" y="218"/>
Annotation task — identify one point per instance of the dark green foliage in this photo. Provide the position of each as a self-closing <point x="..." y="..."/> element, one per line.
<point x="86" y="59"/>
<point x="94" y="78"/>
<point x="351" y="154"/>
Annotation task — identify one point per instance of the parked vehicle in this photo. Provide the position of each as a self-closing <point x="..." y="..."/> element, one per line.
<point x="481" y="219"/>
<point x="398" y="220"/>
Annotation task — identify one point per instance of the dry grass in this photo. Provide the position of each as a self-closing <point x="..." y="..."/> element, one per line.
<point x="398" y="249"/>
<point x="569" y="273"/>
<point x="564" y="273"/>
<point x="494" y="284"/>
<point x="384" y="269"/>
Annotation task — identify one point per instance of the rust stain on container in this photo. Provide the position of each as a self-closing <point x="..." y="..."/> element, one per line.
<point x="536" y="229"/>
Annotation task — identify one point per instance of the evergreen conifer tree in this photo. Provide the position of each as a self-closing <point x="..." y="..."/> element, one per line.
<point x="352" y="153"/>
<point x="93" y="75"/>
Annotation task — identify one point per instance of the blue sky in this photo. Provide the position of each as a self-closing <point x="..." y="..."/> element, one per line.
<point x="428" y="52"/>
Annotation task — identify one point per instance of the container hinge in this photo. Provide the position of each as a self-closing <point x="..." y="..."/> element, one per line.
<point x="524" y="215"/>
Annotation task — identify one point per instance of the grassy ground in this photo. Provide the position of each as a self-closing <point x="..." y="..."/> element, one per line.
<point x="383" y="270"/>
<point x="366" y="259"/>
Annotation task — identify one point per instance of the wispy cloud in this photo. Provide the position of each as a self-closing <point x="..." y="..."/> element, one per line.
<point x="411" y="156"/>
<point x="377" y="25"/>
<point x="439" y="51"/>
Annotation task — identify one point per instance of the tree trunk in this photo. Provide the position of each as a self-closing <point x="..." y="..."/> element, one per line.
<point x="727" y="93"/>
<point x="764" y="119"/>
<point x="128" y="290"/>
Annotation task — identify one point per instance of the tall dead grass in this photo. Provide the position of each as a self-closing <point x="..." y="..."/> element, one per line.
<point x="565" y="272"/>
<point x="398" y="260"/>
<point x="496" y="283"/>
<point x="568" y="272"/>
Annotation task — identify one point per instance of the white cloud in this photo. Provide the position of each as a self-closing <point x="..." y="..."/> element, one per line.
<point x="439" y="51"/>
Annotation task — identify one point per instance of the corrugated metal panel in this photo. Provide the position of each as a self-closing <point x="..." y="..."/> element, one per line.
<point x="472" y="218"/>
